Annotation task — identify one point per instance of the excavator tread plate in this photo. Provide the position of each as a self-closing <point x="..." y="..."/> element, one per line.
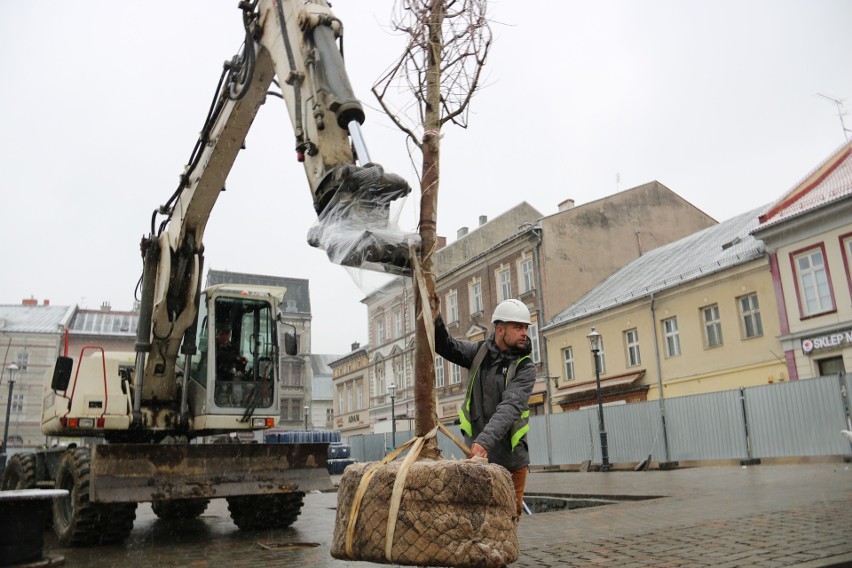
<point x="148" y="472"/>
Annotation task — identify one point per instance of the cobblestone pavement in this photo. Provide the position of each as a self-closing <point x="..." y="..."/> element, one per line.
<point x="765" y="515"/>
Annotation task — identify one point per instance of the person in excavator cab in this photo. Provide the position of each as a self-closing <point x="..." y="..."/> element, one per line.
<point x="494" y="416"/>
<point x="230" y="364"/>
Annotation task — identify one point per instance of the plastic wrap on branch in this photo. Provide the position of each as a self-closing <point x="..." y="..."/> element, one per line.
<point x="355" y="227"/>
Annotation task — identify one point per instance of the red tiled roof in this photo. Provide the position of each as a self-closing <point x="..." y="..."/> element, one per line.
<point x="831" y="181"/>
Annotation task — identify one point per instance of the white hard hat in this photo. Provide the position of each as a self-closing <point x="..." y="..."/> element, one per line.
<point x="511" y="310"/>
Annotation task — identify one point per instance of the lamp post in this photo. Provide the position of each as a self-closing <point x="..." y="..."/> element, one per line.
<point x="307" y="408"/>
<point x="392" y="389"/>
<point x="12" y="368"/>
<point x="596" y="343"/>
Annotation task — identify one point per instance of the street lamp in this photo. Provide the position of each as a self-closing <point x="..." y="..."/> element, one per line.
<point x="392" y="389"/>
<point x="307" y="408"/>
<point x="12" y="368"/>
<point x="596" y="343"/>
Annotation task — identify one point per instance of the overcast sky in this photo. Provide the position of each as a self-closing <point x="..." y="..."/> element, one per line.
<point x="102" y="102"/>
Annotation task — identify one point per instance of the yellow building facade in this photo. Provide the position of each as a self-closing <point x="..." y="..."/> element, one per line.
<point x="692" y="317"/>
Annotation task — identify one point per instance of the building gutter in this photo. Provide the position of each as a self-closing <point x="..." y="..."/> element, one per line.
<point x="660" y="382"/>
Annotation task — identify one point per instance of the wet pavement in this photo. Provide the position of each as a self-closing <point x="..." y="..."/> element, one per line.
<point x="763" y="515"/>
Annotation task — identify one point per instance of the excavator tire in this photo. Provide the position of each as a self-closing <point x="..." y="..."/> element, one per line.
<point x="76" y="520"/>
<point x="180" y="509"/>
<point x="252" y="512"/>
<point x="20" y="472"/>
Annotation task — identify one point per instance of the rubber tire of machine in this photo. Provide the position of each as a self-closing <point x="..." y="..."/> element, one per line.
<point x="252" y="512"/>
<point x="76" y="520"/>
<point x="20" y="472"/>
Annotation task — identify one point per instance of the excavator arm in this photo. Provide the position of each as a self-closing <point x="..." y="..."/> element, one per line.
<point x="295" y="41"/>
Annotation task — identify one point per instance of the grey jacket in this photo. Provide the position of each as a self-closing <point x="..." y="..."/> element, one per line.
<point x="494" y="407"/>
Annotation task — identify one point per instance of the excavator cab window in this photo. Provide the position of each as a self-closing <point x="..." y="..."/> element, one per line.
<point x="244" y="352"/>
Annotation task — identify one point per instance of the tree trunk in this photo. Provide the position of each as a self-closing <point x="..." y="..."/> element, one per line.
<point x="425" y="417"/>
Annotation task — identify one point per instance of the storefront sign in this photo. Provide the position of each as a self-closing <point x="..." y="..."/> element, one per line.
<point x="827" y="341"/>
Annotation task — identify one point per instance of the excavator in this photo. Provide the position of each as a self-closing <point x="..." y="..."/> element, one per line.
<point x="151" y="411"/>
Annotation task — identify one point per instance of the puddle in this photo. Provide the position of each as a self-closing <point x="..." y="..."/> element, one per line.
<point x="287" y="545"/>
<point x="550" y="503"/>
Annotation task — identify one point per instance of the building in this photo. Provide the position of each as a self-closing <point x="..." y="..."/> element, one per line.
<point x="511" y="256"/>
<point x="582" y="245"/>
<point x="322" y="401"/>
<point x="808" y="235"/>
<point x="495" y="262"/>
<point x="295" y="371"/>
<point x="31" y="338"/>
<point x="390" y="314"/>
<point x="690" y="317"/>
<point x="106" y="328"/>
<point x="351" y="390"/>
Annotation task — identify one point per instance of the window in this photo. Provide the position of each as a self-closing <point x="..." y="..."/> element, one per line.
<point x="380" y="331"/>
<point x="672" y="337"/>
<point x="17" y="403"/>
<point x="526" y="270"/>
<point x="846" y="245"/>
<point x="291" y="373"/>
<point x="439" y="371"/>
<point x="340" y="409"/>
<point x="380" y="379"/>
<point x="349" y="404"/>
<point x="476" y="296"/>
<point x="397" y="323"/>
<point x="504" y="284"/>
<point x="712" y="326"/>
<point x="399" y="372"/>
<point x="21" y="360"/>
<point x="631" y="342"/>
<point x="455" y="374"/>
<point x="812" y="282"/>
<point x="750" y="316"/>
<point x="359" y="396"/>
<point x="329" y="416"/>
<point x="452" y="307"/>
<point x="568" y="359"/>
<point x="532" y="333"/>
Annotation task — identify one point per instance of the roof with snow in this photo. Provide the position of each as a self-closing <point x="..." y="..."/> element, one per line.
<point x="830" y="182"/>
<point x="708" y="251"/>
<point x="34" y="318"/>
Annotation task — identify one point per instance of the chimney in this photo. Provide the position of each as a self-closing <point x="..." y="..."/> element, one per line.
<point x="440" y="242"/>
<point x="462" y="232"/>
<point x="29" y="302"/>
<point x="483" y="219"/>
<point x="105" y="307"/>
<point x="355" y="345"/>
<point x="566" y="205"/>
<point x="46" y="302"/>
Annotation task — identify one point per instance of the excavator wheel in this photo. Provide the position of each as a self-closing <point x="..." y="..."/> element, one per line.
<point x="20" y="472"/>
<point x="180" y="509"/>
<point x="78" y="521"/>
<point x="252" y="512"/>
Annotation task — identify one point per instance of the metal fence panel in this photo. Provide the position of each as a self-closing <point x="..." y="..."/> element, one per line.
<point x="799" y="418"/>
<point x="573" y="437"/>
<point x="634" y="431"/>
<point x="537" y="440"/>
<point x="706" y="427"/>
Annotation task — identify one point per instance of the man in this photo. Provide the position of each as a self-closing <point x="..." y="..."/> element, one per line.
<point x="495" y="413"/>
<point x="229" y="362"/>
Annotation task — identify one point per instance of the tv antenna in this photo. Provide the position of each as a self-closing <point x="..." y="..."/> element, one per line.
<point x="840" y="114"/>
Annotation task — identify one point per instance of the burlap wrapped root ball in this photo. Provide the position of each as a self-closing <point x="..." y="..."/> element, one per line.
<point x="452" y="513"/>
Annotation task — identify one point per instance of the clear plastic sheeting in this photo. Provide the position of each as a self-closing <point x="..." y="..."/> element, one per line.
<point x="355" y="227"/>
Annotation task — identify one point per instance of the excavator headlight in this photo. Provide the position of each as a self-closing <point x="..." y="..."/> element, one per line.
<point x="86" y="422"/>
<point x="258" y="422"/>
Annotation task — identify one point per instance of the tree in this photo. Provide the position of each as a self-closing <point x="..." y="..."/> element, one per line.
<point x="440" y="68"/>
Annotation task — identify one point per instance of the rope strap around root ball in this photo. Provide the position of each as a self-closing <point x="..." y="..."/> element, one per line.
<point x="416" y="444"/>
